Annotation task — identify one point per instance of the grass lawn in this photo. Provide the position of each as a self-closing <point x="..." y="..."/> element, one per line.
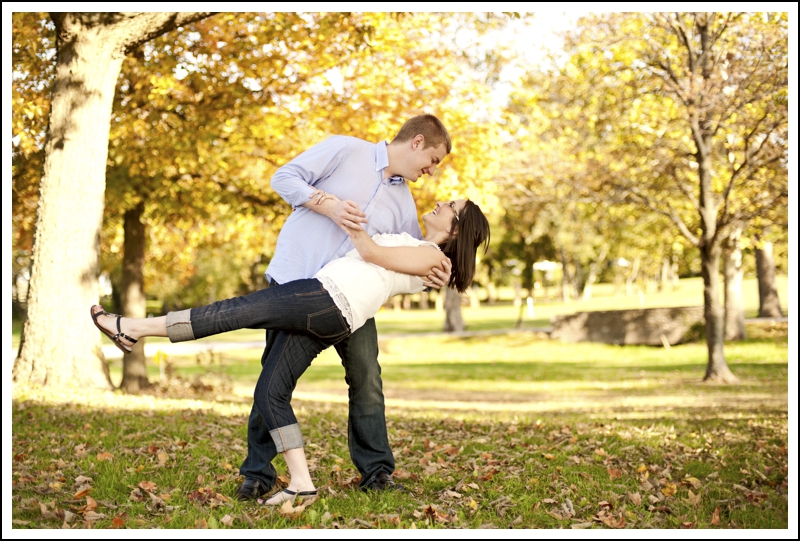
<point x="493" y="431"/>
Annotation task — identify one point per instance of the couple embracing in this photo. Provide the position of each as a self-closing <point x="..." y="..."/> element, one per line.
<point x="352" y="241"/>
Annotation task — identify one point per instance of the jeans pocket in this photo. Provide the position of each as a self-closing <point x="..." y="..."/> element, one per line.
<point x="328" y="324"/>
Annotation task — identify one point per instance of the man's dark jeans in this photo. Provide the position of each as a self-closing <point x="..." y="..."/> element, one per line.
<point x="366" y="431"/>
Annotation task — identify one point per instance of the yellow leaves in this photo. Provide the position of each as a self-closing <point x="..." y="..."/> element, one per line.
<point x="669" y="489"/>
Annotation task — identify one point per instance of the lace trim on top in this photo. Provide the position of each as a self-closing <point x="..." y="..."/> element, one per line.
<point x="338" y="298"/>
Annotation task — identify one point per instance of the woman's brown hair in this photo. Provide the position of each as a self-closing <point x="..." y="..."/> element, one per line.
<point x="469" y="231"/>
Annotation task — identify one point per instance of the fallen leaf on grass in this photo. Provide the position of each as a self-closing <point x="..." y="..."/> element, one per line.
<point x="287" y="509"/>
<point x="91" y="504"/>
<point x="635" y="498"/>
<point x="614" y="473"/>
<point x="82" y="480"/>
<point x="105" y="455"/>
<point x="227" y="520"/>
<point x="149" y="486"/>
<point x="91" y="515"/>
<point x="715" y="517"/>
<point x="694" y="482"/>
<point x="81" y="493"/>
<point x="610" y="520"/>
<point x="669" y="489"/>
<point x="693" y="499"/>
<point x="581" y="525"/>
<point x="117" y="523"/>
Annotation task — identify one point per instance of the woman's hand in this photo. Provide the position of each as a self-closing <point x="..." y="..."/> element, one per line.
<point x="439" y="276"/>
<point x="345" y="214"/>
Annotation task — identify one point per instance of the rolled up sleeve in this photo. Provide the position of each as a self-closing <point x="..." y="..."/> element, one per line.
<point x="296" y="180"/>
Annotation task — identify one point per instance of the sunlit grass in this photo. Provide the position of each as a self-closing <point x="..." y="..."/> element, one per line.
<point x="535" y="421"/>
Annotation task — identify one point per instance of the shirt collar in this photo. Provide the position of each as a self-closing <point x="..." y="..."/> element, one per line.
<point x="382" y="162"/>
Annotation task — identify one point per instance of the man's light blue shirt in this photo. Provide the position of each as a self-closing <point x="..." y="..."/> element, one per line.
<point x="349" y="168"/>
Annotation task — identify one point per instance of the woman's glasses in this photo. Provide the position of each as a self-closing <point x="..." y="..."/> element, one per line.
<point x="453" y="206"/>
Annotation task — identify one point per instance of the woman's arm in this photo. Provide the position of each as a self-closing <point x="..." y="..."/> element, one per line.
<point x="416" y="260"/>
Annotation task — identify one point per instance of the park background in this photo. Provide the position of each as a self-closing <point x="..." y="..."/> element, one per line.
<point x="597" y="161"/>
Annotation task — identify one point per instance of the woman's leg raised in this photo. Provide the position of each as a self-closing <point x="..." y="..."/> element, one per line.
<point x="298" y="306"/>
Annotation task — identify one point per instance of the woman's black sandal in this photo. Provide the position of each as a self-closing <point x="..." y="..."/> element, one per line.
<point x="114" y="337"/>
<point x="287" y="495"/>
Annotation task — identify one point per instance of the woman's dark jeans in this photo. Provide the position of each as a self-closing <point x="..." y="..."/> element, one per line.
<point x="367" y="436"/>
<point x="298" y="306"/>
<point x="301" y="306"/>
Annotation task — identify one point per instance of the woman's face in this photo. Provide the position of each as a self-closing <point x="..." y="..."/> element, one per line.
<point x="441" y="217"/>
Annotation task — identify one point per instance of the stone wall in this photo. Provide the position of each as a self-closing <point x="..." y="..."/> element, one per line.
<point x="647" y="326"/>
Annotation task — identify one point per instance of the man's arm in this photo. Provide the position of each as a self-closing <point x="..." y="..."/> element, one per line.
<point x="295" y="181"/>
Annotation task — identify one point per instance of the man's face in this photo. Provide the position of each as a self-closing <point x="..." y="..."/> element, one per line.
<point x="421" y="160"/>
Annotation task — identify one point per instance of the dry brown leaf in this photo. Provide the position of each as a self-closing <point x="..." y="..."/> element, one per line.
<point x="117" y="523"/>
<point x="91" y="504"/>
<point x="81" y="493"/>
<point x="227" y="520"/>
<point x="715" y="517"/>
<point x="91" y="515"/>
<point x="693" y="499"/>
<point x="105" y="455"/>
<point x="163" y="458"/>
<point x="635" y="498"/>
<point x="82" y="480"/>
<point x="614" y="473"/>
<point x="149" y="486"/>
<point x="600" y="451"/>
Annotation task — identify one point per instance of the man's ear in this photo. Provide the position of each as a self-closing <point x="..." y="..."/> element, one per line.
<point x="418" y="141"/>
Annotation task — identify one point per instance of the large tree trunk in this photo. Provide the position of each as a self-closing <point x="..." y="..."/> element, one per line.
<point x="134" y="367"/>
<point x="717" y="368"/>
<point x="453" y="322"/>
<point x="768" y="302"/>
<point x="733" y="272"/>
<point x="60" y="345"/>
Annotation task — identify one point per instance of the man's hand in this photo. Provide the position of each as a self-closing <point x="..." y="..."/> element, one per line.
<point x="345" y="214"/>
<point x="439" y="277"/>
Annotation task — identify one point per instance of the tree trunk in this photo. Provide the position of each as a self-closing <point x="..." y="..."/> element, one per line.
<point x="566" y="296"/>
<point x="768" y="302"/>
<point x="60" y="345"/>
<point x="134" y="367"/>
<point x="453" y="322"/>
<point x="733" y="272"/>
<point x="717" y="368"/>
<point x="594" y="268"/>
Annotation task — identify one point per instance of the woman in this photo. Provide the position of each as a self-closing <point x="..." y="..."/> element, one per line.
<point x="327" y="308"/>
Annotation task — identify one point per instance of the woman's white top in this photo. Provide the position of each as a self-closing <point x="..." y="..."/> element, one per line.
<point x="359" y="288"/>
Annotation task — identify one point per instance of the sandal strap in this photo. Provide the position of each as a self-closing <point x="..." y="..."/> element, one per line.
<point x="125" y="336"/>
<point x="302" y="493"/>
<point x="122" y="334"/>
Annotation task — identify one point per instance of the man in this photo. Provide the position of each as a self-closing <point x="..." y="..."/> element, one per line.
<point x="374" y="177"/>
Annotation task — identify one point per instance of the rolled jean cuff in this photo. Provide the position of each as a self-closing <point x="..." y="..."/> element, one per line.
<point x="287" y="437"/>
<point x="179" y="326"/>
